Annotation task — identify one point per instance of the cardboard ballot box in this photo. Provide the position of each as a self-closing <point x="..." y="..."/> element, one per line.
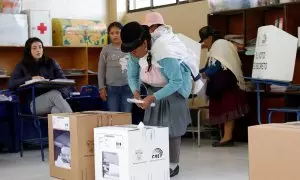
<point x="71" y="142"/>
<point x="274" y="151"/>
<point x="275" y="54"/>
<point x="127" y="153"/>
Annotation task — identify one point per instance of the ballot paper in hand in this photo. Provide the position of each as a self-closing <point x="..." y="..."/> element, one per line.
<point x="133" y="100"/>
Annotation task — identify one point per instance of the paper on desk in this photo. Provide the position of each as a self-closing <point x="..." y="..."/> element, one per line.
<point x="36" y="80"/>
<point x="47" y="80"/>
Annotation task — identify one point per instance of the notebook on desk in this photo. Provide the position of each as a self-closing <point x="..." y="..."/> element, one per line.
<point x="33" y="81"/>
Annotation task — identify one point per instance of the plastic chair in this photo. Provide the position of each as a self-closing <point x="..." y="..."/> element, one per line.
<point x="284" y="110"/>
<point x="88" y="100"/>
<point x="8" y="115"/>
<point x="89" y="91"/>
<point x="199" y="128"/>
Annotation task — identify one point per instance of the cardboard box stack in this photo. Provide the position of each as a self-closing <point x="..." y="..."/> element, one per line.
<point x="270" y="58"/>
<point x="274" y="151"/>
<point x="130" y="152"/>
<point x="71" y="142"/>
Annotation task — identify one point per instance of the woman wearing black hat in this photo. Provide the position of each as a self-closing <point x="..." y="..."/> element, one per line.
<point x="225" y="88"/>
<point x="168" y="82"/>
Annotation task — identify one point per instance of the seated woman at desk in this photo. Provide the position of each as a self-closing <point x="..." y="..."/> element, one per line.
<point x="227" y="100"/>
<point x="35" y="65"/>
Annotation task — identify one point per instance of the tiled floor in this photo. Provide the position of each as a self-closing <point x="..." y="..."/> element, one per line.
<point x="205" y="163"/>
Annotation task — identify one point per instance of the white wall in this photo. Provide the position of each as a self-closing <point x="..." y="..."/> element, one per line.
<point x="186" y="18"/>
<point x="73" y="9"/>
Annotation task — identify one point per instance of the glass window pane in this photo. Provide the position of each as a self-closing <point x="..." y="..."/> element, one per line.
<point x="163" y="2"/>
<point x="137" y="4"/>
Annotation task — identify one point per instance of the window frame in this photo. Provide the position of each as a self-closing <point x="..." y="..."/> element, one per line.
<point x="156" y="7"/>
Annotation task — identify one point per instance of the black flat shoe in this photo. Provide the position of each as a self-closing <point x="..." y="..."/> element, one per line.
<point x="174" y="172"/>
<point x="229" y="143"/>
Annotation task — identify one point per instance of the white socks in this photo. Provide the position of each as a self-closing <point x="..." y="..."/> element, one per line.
<point x="173" y="165"/>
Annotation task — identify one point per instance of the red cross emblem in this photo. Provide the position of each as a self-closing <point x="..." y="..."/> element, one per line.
<point x="42" y="28"/>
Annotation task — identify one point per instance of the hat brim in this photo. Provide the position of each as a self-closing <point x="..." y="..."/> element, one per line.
<point x="146" y="24"/>
<point x="129" y="47"/>
<point x="126" y="49"/>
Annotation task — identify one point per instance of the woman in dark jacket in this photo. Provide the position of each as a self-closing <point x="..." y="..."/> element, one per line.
<point x="225" y="87"/>
<point x="35" y="65"/>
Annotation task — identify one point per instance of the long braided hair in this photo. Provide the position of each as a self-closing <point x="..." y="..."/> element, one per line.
<point x="147" y="36"/>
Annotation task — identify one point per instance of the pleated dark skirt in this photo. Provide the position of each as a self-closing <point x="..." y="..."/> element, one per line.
<point x="172" y="111"/>
<point x="231" y="106"/>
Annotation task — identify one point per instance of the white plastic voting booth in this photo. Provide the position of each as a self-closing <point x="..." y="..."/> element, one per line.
<point x="275" y="54"/>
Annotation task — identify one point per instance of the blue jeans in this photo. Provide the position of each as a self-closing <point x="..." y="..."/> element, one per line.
<point x="117" y="98"/>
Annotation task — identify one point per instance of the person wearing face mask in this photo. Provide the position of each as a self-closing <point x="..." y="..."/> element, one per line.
<point x="168" y="83"/>
<point x="226" y="86"/>
<point x="112" y="74"/>
<point x="166" y="44"/>
<point x="35" y="65"/>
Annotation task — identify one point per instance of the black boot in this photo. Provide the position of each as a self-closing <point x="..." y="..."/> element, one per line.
<point x="174" y="172"/>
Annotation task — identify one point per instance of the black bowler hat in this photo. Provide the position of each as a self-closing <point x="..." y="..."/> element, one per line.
<point x="205" y="32"/>
<point x="133" y="35"/>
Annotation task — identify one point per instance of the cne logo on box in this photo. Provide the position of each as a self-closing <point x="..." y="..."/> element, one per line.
<point x="157" y="153"/>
